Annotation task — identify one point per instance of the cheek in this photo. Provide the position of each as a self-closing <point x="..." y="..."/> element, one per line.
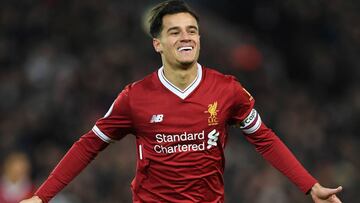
<point x="170" y="49"/>
<point x="166" y="46"/>
<point x="198" y="42"/>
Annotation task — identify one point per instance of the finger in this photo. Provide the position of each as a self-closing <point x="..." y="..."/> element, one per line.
<point x="334" y="191"/>
<point x="338" y="189"/>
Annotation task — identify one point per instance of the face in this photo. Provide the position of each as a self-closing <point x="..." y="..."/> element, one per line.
<point x="179" y="40"/>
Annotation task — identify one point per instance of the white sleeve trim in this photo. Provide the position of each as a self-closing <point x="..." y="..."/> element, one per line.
<point x="110" y="110"/>
<point x="101" y="135"/>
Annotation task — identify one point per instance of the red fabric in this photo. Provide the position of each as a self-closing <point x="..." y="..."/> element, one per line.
<point x="277" y="154"/>
<point x="76" y="159"/>
<point x="180" y="141"/>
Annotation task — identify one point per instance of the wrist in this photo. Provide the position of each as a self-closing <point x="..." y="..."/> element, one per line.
<point x="315" y="188"/>
<point x="37" y="198"/>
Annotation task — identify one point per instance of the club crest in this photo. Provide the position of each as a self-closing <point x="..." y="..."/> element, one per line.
<point x="212" y="111"/>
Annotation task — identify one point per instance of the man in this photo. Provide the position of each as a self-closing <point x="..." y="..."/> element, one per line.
<point x="179" y="115"/>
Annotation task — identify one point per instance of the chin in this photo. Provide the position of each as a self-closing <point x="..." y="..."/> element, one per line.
<point x="186" y="64"/>
<point x="187" y="61"/>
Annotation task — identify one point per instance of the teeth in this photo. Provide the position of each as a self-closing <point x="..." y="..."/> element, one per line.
<point x="184" y="48"/>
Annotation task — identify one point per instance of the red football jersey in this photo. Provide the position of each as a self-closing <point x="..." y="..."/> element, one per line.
<point x="180" y="134"/>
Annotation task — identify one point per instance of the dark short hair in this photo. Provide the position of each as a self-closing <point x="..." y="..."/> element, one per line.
<point x="166" y="8"/>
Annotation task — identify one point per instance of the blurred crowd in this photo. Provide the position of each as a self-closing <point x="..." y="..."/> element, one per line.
<point x="62" y="63"/>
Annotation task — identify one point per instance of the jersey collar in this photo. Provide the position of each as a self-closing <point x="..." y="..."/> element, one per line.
<point x="180" y="93"/>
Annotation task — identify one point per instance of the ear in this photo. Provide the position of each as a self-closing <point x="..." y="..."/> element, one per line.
<point x="157" y="45"/>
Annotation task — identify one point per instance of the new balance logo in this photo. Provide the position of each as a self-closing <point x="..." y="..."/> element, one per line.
<point x="157" y="118"/>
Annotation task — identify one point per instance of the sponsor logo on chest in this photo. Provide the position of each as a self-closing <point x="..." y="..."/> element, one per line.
<point x="188" y="141"/>
<point x="173" y="143"/>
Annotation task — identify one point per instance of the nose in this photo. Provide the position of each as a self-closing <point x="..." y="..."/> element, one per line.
<point x="184" y="36"/>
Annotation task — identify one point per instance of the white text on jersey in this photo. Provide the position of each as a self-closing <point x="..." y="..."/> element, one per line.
<point x="185" y="142"/>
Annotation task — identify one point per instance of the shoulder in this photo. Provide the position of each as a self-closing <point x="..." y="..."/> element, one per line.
<point x="140" y="88"/>
<point x="143" y="84"/>
<point x="228" y="83"/>
<point x="214" y="75"/>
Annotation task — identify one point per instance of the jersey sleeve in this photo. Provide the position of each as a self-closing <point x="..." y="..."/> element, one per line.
<point x="117" y="121"/>
<point x="243" y="104"/>
<point x="265" y="140"/>
<point x="269" y="145"/>
<point x="75" y="160"/>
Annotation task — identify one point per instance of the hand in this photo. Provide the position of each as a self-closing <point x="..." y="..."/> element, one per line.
<point x="322" y="194"/>
<point x="34" y="199"/>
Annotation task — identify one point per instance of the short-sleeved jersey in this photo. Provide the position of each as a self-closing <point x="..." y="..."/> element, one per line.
<point x="180" y="134"/>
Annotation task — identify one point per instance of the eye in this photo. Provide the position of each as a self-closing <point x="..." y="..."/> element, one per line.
<point x="174" y="33"/>
<point x="193" y="31"/>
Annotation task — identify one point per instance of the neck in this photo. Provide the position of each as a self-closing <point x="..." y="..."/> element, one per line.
<point x="181" y="77"/>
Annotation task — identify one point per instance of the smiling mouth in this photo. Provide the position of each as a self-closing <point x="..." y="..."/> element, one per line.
<point x="185" y="48"/>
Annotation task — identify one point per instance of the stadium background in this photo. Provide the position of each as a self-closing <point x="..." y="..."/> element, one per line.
<point x="63" y="62"/>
